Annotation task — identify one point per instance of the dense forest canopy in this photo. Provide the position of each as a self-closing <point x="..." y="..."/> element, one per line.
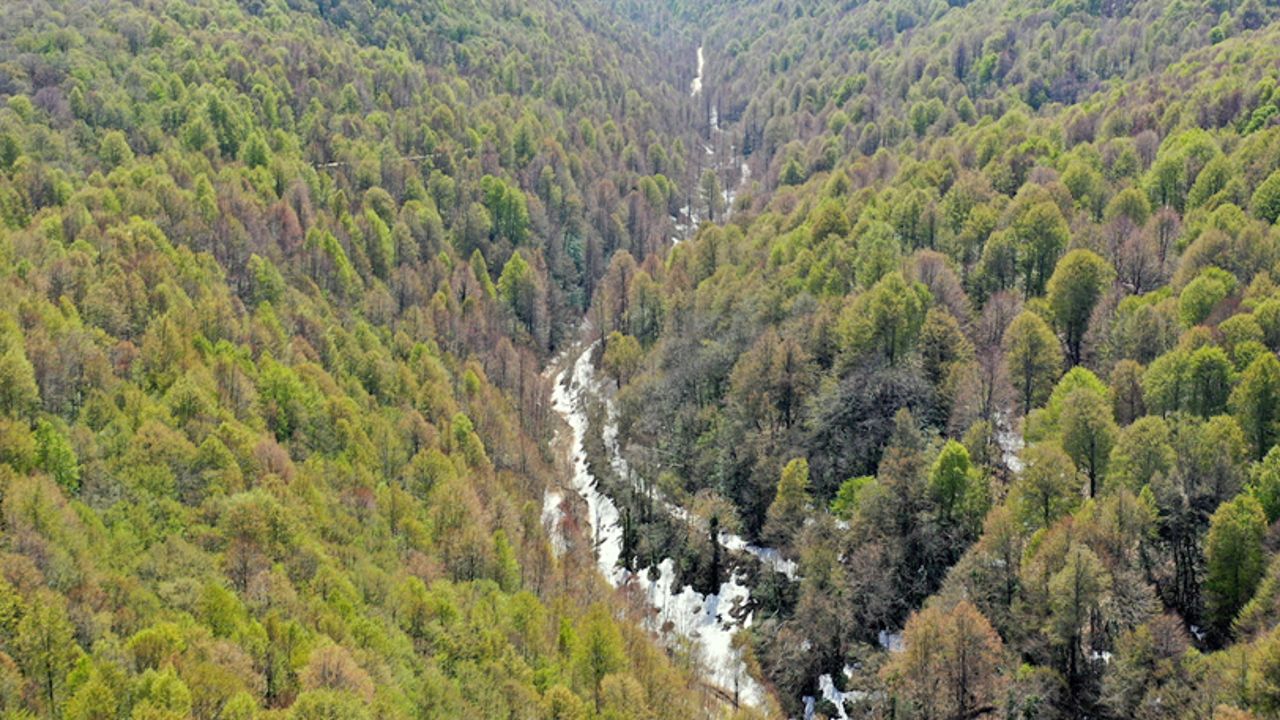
<point x="945" y="333"/>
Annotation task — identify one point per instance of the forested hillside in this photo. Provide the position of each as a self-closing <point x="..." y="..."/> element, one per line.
<point x="618" y="359"/>
<point x="988" y="346"/>
<point x="277" y="283"/>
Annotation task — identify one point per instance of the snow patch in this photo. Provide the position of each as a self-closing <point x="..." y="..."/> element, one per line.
<point x="1010" y="442"/>
<point x="827" y="691"/>
<point x="552" y="515"/>
<point x="890" y="641"/>
<point x="710" y="620"/>
<point x="696" y="86"/>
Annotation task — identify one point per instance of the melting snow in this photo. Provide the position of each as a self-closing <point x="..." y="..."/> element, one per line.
<point x="708" y="619"/>
<point x="891" y="641"/>
<point x="827" y="690"/>
<point x="1010" y="442"/>
<point x="696" y="86"/>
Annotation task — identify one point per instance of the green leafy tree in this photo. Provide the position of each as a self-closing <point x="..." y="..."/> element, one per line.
<point x="599" y="651"/>
<point x="1088" y="434"/>
<point x="1203" y="294"/>
<point x="790" y="504"/>
<point x="886" y="320"/>
<point x="1033" y="358"/>
<point x="1266" y="198"/>
<point x="268" y="284"/>
<point x="1256" y="402"/>
<point x="114" y="149"/>
<point x="1264" y="484"/>
<point x="508" y="208"/>
<point x="950" y="479"/>
<point x="828" y="219"/>
<point x="1041" y="234"/>
<point x="1209" y="376"/>
<point x="518" y="290"/>
<point x="19" y="395"/>
<point x="1076" y="595"/>
<point x="711" y="195"/>
<point x="1141" y="454"/>
<point x="1048" y="487"/>
<point x="1234" y="558"/>
<point x="1165" y="387"/>
<point x="45" y="647"/>
<point x="1078" y="282"/>
<point x="622" y="356"/>
<point x="848" y="497"/>
<point x="55" y="455"/>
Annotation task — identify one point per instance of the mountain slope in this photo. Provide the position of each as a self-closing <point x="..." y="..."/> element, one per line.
<point x="276" y="284"/>
<point x="849" y="367"/>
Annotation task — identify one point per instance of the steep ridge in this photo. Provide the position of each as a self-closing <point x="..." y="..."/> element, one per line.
<point x="276" y="280"/>
<point x="837" y="368"/>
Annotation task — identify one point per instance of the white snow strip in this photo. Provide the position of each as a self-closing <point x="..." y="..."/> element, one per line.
<point x="1010" y="442"/>
<point x="891" y="641"/>
<point x="552" y="514"/>
<point x="706" y="619"/>
<point x="828" y="692"/>
<point x="696" y="86"/>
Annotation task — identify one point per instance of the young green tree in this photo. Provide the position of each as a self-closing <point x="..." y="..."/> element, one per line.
<point x="1256" y="402"/>
<point x="710" y="194"/>
<point x="786" y="513"/>
<point x="1209" y="374"/>
<point x="599" y="650"/>
<point x="55" y="455"/>
<point x="1088" y="434"/>
<point x="1048" y="487"/>
<point x="1234" y="558"/>
<point x="1041" y="233"/>
<point x="886" y="320"/>
<point x="1079" y="281"/>
<point x="1264" y="484"/>
<point x="19" y="395"/>
<point x="46" y="649"/>
<point x="518" y="290"/>
<point x="1142" y="453"/>
<point x="1034" y="359"/>
<point x="1199" y="298"/>
<point x="949" y="480"/>
<point x="622" y="356"/>
<point x="1266" y="199"/>
<point x="1076" y="595"/>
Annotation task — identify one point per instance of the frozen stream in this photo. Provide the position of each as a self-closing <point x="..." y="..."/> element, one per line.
<point x="710" y="620"/>
<point x="695" y="87"/>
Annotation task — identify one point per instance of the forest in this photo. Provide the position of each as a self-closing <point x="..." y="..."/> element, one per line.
<point x="617" y="359"/>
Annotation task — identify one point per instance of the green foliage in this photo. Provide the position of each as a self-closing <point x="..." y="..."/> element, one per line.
<point x="1256" y="402"/>
<point x="1264" y="484"/>
<point x="1088" y="434"/>
<point x="1234" y="557"/>
<point x="1266" y="198"/>
<point x="848" y="497"/>
<point x="46" y="649"/>
<point x="267" y="440"/>
<point x="790" y="503"/>
<point x="1078" y="282"/>
<point x="622" y="356"/>
<point x="1049" y="487"/>
<point x="55" y="456"/>
<point x="950" y="479"/>
<point x="1203" y="294"/>
<point x="1034" y="359"/>
<point x="885" y="321"/>
<point x="271" y="439"/>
